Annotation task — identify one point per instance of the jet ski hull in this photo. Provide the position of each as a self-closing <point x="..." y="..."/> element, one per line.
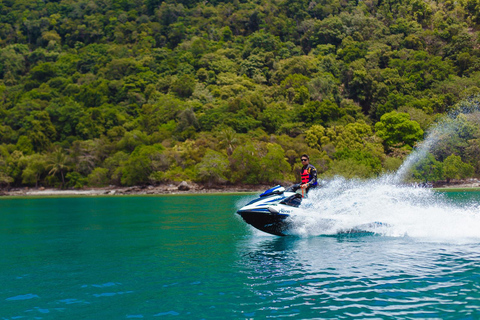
<point x="269" y="212"/>
<point x="266" y="221"/>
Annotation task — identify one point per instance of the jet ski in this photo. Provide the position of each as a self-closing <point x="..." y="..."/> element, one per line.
<point x="269" y="212"/>
<point x="274" y="210"/>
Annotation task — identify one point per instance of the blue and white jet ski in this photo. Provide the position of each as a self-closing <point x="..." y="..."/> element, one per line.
<point x="269" y="212"/>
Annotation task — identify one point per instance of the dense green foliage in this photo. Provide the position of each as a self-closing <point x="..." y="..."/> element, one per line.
<point x="136" y="92"/>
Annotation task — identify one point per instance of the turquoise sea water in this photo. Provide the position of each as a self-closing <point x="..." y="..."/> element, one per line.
<point x="191" y="257"/>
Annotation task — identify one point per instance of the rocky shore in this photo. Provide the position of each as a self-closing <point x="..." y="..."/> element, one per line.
<point x="458" y="184"/>
<point x="182" y="188"/>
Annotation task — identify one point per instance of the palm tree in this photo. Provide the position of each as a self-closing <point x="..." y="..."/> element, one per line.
<point x="228" y="136"/>
<point x="58" y="163"/>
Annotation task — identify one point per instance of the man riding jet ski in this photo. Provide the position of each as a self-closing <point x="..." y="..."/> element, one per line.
<point x="275" y="211"/>
<point x="269" y="211"/>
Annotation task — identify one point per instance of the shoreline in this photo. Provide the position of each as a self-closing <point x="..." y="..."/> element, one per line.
<point x="190" y="188"/>
<point x="168" y="189"/>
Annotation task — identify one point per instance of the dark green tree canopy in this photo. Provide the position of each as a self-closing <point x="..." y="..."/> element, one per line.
<point x="243" y="86"/>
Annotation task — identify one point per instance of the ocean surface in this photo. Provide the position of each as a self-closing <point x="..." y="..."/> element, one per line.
<point x="192" y="257"/>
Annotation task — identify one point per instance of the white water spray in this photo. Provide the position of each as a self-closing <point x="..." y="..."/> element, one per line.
<point x="402" y="210"/>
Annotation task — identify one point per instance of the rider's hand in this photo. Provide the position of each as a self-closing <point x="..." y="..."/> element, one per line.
<point x="304" y="185"/>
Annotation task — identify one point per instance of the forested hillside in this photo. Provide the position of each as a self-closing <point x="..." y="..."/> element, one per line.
<point x="121" y="92"/>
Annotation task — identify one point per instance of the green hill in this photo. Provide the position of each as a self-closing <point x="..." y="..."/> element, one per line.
<point x="141" y="92"/>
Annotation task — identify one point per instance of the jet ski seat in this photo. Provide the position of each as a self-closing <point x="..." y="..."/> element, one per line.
<point x="293" y="201"/>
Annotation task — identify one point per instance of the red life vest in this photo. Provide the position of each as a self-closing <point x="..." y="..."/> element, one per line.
<point x="305" y="176"/>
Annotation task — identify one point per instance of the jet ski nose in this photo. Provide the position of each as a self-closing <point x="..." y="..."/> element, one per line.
<point x="272" y="209"/>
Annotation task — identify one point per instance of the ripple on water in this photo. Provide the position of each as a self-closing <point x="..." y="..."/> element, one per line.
<point x="23" y="297"/>
<point x="333" y="278"/>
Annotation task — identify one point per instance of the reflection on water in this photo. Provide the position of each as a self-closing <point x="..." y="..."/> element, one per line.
<point x="343" y="277"/>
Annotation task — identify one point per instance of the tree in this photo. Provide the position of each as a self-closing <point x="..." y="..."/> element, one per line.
<point x="362" y="88"/>
<point x="363" y="163"/>
<point x="36" y="165"/>
<point x="25" y="145"/>
<point x="330" y="30"/>
<point x="66" y="115"/>
<point x="228" y="138"/>
<point x="457" y="138"/>
<point x="304" y="65"/>
<point x="5" y="179"/>
<point x="245" y="165"/>
<point x="87" y="155"/>
<point x="187" y="124"/>
<point x="274" y="165"/>
<point x="455" y="168"/>
<point x="427" y="169"/>
<point x="314" y="135"/>
<point x="143" y="161"/>
<point x="184" y="86"/>
<point x="316" y="112"/>
<point x="324" y="86"/>
<point x="397" y="128"/>
<point x="75" y="180"/>
<point x="354" y="136"/>
<point x="58" y="163"/>
<point x="43" y="72"/>
<point x="213" y="168"/>
<point x="349" y="169"/>
<point x="13" y="61"/>
<point x="274" y="116"/>
<point x="98" y="177"/>
<point x="132" y="140"/>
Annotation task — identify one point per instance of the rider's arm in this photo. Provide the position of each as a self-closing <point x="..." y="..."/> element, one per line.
<point x="313" y="180"/>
